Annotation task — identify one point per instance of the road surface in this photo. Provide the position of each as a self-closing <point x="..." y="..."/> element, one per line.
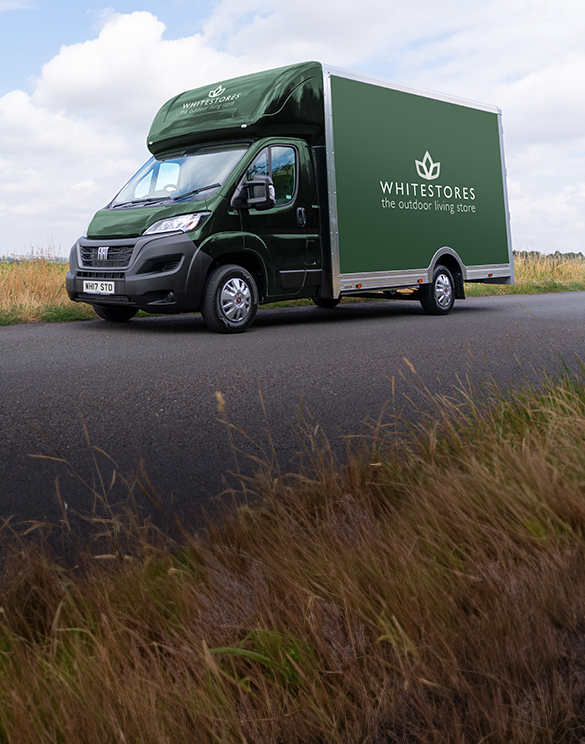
<point x="146" y="390"/>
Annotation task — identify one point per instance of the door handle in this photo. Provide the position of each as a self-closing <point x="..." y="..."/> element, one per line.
<point x="301" y="217"/>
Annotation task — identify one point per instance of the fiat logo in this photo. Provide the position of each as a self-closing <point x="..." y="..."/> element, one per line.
<point x="103" y="253"/>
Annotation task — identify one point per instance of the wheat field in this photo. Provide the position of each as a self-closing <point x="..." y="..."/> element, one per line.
<point x="33" y="289"/>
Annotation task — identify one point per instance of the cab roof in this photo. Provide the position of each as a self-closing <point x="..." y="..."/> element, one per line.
<point x="286" y="100"/>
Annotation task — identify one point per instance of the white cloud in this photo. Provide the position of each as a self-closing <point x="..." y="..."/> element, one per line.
<point x="45" y="156"/>
<point x="86" y="124"/>
<point x="124" y="74"/>
<point x="343" y="34"/>
<point x="67" y="148"/>
<point x="546" y="105"/>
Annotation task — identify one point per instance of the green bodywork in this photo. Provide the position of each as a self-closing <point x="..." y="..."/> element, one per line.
<point x="286" y="101"/>
<point x="391" y="218"/>
<point x="362" y="203"/>
<point x="130" y="223"/>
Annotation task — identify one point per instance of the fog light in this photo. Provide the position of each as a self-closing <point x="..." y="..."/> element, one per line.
<point x="170" y="297"/>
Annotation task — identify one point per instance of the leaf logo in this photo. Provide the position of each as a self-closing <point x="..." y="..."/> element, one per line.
<point x="217" y="92"/>
<point x="427" y="169"/>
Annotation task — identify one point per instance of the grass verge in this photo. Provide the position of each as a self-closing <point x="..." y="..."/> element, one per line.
<point x="432" y="589"/>
<point x="34" y="289"/>
<point x="536" y="273"/>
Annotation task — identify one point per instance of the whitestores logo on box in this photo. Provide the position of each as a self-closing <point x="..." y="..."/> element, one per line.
<point x="445" y="198"/>
<point x="427" y="169"/>
<point x="217" y="92"/>
<point x="215" y="100"/>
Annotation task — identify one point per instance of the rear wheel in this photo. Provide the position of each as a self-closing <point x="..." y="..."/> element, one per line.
<point x="327" y="302"/>
<point x="437" y="298"/>
<point x="115" y="313"/>
<point x="230" y="300"/>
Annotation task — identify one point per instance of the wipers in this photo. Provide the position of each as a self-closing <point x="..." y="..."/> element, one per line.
<point x="196" y="191"/>
<point x="160" y="200"/>
<point x="151" y="200"/>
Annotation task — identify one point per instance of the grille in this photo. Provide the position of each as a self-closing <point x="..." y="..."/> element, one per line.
<point x="101" y="274"/>
<point x="118" y="256"/>
<point x="104" y="299"/>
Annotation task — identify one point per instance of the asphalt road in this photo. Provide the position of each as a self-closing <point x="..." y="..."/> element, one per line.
<point x="147" y="389"/>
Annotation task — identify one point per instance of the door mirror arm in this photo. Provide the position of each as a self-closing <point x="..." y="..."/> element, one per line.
<point x="257" y="193"/>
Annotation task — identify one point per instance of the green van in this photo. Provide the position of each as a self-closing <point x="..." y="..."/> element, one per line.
<point x="302" y="182"/>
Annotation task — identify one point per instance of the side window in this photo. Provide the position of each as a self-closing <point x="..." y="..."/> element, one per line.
<point x="261" y="166"/>
<point x="281" y="164"/>
<point x="284" y="173"/>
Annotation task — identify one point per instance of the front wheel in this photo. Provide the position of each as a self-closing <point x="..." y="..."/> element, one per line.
<point x="230" y="300"/>
<point x="115" y="313"/>
<point x="437" y="298"/>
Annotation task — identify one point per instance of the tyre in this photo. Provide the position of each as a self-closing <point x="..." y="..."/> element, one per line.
<point x="326" y="302"/>
<point x="230" y="300"/>
<point x="437" y="298"/>
<point x="115" y="313"/>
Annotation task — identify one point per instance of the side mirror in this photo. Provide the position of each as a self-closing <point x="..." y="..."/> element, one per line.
<point x="258" y="194"/>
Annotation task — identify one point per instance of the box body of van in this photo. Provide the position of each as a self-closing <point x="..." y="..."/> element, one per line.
<point x="302" y="182"/>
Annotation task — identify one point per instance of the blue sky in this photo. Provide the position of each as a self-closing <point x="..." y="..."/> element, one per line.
<point x="31" y="33"/>
<point x="80" y="84"/>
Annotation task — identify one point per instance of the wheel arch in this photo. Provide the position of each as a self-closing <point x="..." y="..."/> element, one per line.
<point x="449" y="258"/>
<point x="247" y="260"/>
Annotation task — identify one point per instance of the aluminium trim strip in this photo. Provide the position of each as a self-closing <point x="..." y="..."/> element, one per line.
<point x="331" y="183"/>
<point x="506" y="204"/>
<point x="499" y="271"/>
<point x="380" y="82"/>
<point x="381" y="279"/>
<point x="410" y="277"/>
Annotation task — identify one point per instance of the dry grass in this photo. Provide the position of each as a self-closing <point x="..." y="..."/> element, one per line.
<point x="536" y="273"/>
<point x="34" y="289"/>
<point x="430" y="590"/>
<point x="563" y="268"/>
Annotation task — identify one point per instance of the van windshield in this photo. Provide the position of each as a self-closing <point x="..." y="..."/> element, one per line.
<point x="193" y="175"/>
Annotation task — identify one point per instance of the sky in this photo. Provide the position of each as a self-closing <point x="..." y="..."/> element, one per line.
<point x="80" y="85"/>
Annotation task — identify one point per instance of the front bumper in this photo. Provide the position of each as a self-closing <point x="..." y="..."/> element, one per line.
<point x="156" y="274"/>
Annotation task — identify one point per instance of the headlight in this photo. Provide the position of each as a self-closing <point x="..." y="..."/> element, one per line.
<point x="182" y="223"/>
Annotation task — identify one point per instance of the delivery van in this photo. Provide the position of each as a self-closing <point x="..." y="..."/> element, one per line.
<point x="305" y="181"/>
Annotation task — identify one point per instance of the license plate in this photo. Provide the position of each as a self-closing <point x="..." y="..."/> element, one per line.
<point x="100" y="288"/>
